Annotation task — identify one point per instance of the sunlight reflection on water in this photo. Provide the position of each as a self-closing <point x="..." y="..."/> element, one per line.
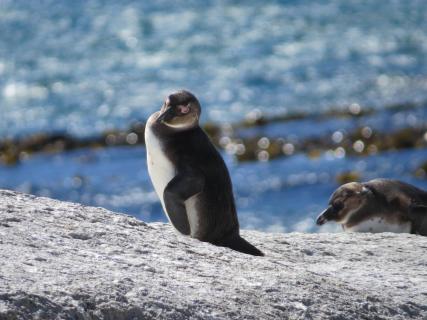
<point x="87" y="66"/>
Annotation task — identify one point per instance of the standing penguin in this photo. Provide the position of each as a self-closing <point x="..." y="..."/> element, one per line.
<point x="379" y="205"/>
<point x="190" y="176"/>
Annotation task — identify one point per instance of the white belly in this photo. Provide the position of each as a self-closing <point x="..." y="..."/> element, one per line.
<point x="377" y="225"/>
<point x="160" y="168"/>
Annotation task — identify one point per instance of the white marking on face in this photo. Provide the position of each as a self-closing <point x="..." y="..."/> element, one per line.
<point x="378" y="224"/>
<point x="347" y="217"/>
<point x="177" y="126"/>
<point x="160" y="168"/>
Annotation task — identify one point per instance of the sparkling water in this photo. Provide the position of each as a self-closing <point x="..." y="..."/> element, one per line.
<point x="86" y="66"/>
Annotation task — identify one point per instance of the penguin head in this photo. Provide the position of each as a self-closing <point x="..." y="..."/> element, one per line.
<point x="180" y="111"/>
<point x="347" y="200"/>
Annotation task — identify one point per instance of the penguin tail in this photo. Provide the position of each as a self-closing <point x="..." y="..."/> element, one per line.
<point x="237" y="243"/>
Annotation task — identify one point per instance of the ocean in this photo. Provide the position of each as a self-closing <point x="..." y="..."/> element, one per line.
<point x="85" y="67"/>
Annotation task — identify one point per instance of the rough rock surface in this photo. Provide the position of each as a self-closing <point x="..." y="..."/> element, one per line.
<point x="66" y="261"/>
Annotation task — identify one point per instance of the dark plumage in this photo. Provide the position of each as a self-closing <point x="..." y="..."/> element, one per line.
<point x="199" y="198"/>
<point x="394" y="204"/>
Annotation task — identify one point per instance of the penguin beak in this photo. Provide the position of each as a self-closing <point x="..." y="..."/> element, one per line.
<point x="323" y="217"/>
<point x="166" y="115"/>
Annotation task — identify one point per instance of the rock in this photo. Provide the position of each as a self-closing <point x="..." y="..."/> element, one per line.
<point x="62" y="260"/>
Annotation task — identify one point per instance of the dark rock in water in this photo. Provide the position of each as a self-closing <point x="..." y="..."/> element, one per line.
<point x="361" y="141"/>
<point x="61" y="260"/>
<point x="13" y="150"/>
<point x="348" y="176"/>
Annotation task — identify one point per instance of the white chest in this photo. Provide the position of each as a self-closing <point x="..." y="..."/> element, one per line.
<point x="160" y="168"/>
<point x="377" y="225"/>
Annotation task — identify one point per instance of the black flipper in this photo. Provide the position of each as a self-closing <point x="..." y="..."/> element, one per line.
<point x="178" y="190"/>
<point x="418" y="217"/>
<point x="236" y="242"/>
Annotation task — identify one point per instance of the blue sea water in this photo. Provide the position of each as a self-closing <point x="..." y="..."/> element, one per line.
<point x="280" y="195"/>
<point x="86" y="66"/>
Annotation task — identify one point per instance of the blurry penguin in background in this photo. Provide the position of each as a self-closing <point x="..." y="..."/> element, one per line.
<point x="379" y="205"/>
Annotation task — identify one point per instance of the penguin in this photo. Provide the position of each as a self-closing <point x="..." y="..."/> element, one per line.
<point x="379" y="205"/>
<point x="190" y="176"/>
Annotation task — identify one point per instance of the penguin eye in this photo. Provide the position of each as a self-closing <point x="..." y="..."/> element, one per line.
<point x="350" y="194"/>
<point x="337" y="205"/>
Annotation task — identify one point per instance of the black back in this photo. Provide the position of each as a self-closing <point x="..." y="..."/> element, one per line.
<point x="192" y="151"/>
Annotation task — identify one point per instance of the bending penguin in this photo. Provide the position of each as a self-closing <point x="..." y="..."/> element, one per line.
<point x="190" y="176"/>
<point x="379" y="205"/>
